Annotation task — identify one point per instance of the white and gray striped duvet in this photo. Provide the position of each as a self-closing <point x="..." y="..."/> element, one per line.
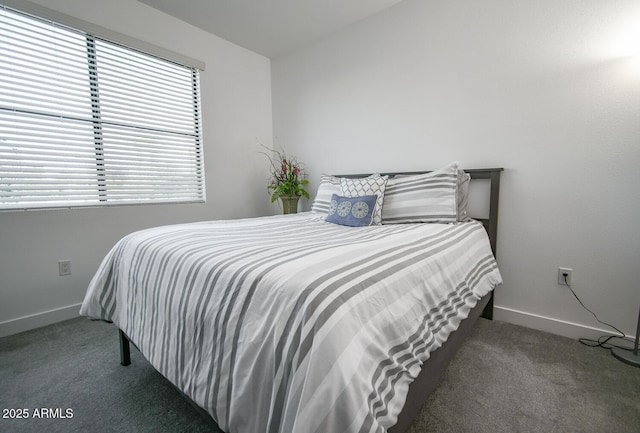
<point x="290" y="323"/>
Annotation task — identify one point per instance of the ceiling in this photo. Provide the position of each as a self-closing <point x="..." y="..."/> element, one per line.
<point x="270" y="27"/>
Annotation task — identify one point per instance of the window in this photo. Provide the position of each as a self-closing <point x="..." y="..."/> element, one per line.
<point x="85" y="121"/>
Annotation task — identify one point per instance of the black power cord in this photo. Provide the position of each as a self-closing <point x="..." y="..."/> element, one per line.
<point x="603" y="341"/>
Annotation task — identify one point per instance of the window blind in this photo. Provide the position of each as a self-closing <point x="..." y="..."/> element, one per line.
<point x="85" y="121"/>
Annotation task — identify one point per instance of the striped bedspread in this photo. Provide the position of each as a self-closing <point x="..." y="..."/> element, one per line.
<point x="289" y="323"/>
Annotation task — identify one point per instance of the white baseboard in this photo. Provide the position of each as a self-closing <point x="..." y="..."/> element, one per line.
<point x="548" y="324"/>
<point x="38" y="320"/>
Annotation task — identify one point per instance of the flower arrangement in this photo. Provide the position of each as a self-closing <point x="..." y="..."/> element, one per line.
<point x="287" y="178"/>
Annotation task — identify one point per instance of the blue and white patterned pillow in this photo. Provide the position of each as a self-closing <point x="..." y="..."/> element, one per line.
<point x="352" y="211"/>
<point x="372" y="185"/>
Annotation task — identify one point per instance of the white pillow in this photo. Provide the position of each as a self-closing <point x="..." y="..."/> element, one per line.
<point x="367" y="186"/>
<point x="462" y="195"/>
<point x="423" y="198"/>
<point x="329" y="185"/>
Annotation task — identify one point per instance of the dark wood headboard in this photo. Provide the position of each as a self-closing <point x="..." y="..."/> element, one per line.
<point x="490" y="223"/>
<point x="492" y="174"/>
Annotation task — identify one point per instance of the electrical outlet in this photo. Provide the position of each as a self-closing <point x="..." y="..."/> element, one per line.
<point x="561" y="276"/>
<point x="64" y="267"/>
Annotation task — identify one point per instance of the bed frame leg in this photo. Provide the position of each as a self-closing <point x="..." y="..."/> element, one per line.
<point x="125" y="351"/>
<point x="487" y="313"/>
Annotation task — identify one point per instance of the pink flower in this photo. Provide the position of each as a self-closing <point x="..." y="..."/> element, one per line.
<point x="287" y="179"/>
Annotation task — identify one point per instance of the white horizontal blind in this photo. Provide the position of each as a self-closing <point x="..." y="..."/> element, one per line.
<point x="85" y="122"/>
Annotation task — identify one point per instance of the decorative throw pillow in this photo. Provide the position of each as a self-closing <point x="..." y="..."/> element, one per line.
<point x="422" y="198"/>
<point x="352" y="211"/>
<point x="462" y="194"/>
<point x="329" y="185"/>
<point x="372" y="185"/>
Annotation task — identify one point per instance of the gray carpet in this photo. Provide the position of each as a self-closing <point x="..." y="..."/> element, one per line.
<point x="504" y="379"/>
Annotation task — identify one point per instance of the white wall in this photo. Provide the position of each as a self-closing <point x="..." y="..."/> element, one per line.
<point x="546" y="89"/>
<point x="236" y="104"/>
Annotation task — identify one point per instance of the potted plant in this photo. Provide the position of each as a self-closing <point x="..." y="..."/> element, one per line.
<point x="287" y="181"/>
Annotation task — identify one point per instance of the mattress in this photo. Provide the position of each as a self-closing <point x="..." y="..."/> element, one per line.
<point x="290" y="323"/>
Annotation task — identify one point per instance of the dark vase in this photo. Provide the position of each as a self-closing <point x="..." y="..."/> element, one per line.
<point x="289" y="204"/>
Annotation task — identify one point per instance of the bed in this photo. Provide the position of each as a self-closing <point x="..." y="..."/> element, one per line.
<point x="293" y="324"/>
